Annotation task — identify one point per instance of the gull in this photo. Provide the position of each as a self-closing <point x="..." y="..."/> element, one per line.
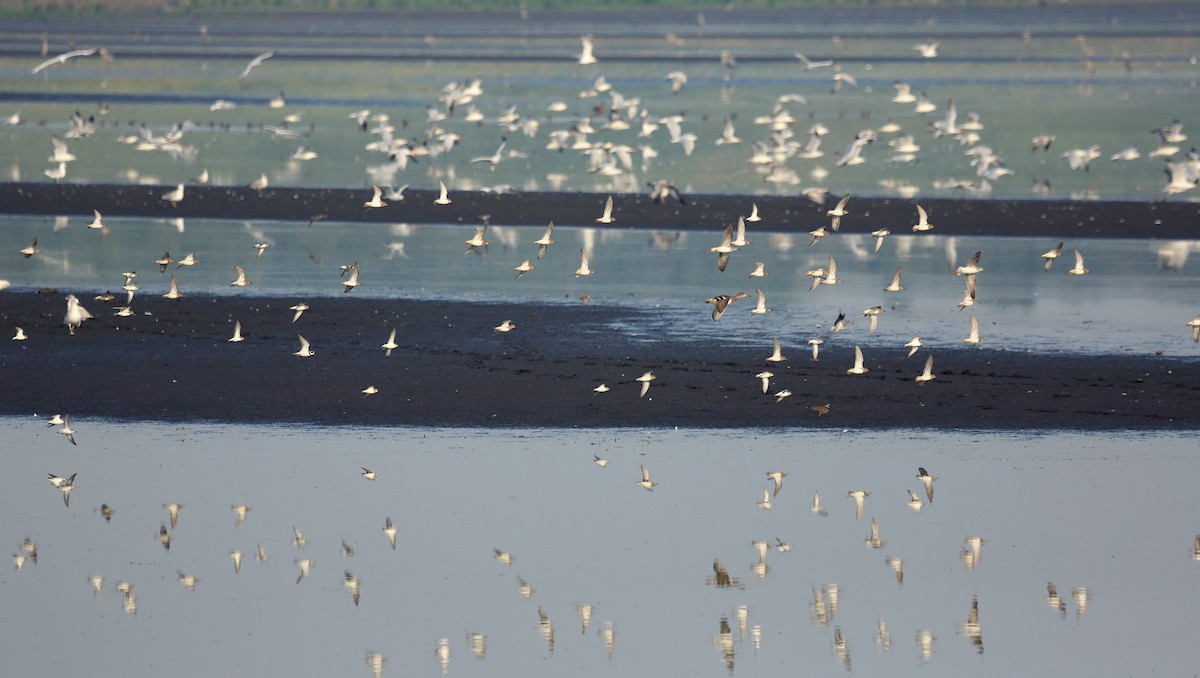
<point x="299" y="309"/>
<point x="584" y="268"/>
<point x="927" y="50"/>
<point x="922" y="221"/>
<point x="645" y="379"/>
<point x="765" y="504"/>
<point x="753" y="213"/>
<point x="776" y="354"/>
<point x="602" y="388"/>
<point x="67" y="430"/>
<point x="506" y="326"/>
<point x="173" y="292"/>
<point x="1052" y="255"/>
<point x="240" y="281"/>
<point x="821" y="410"/>
<point x="62" y="58"/>
<point x="761" y="308"/>
<point x="20" y="335"/>
<point x="607" y="217"/>
<point x="879" y="235"/>
<point x="174" y="197"/>
<point x="765" y="376"/>
<point x="809" y="64"/>
<point x="97" y="221"/>
<point x="31" y="250"/>
<point x="926" y="480"/>
<point x="1195" y="325"/>
<point x="873" y="314"/>
<point x="598" y="461"/>
<point x="255" y="63"/>
<point x="164" y="261"/>
<point x="760" y="270"/>
<point x="645" y="482"/>
<point x="545" y="241"/>
<point x="390" y="345"/>
<point x="390" y="530"/>
<point x="75" y="314"/>
<point x="376" y="199"/>
<point x="816" y="504"/>
<point x="895" y="286"/>
<point x="858" y="363"/>
<point x="304" y="351"/>
<point x="912" y="346"/>
<point x="780" y="395"/>
<point x="523" y="268"/>
<point x="816" y="348"/>
<point x="971" y="267"/>
<point x="305" y="565"/>
<point x="352" y="281"/>
<point x="62" y="154"/>
<point x="188" y="260"/>
<point x="586" y="57"/>
<point x="1180" y="178"/>
<point x="859" y="496"/>
<point x="1079" y="269"/>
<point x="778" y="477"/>
<point x="444" y="197"/>
<point x="974" y="337"/>
<point x="240" y="510"/>
<point x="476" y="240"/>
<point x="722" y="302"/>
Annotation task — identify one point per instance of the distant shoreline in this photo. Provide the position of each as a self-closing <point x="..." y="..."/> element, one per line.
<point x="1173" y="220"/>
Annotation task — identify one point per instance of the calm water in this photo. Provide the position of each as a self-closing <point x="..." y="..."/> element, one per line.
<point x="1024" y="73"/>
<point x="1137" y="298"/>
<point x="1112" y="515"/>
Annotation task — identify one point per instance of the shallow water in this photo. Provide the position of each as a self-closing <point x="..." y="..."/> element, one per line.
<point x="1024" y="72"/>
<point x="1136" y="299"/>
<point x="1111" y="514"/>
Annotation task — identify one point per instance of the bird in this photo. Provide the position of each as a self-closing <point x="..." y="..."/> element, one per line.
<point x="1194" y="323"/>
<point x="67" y="430"/>
<point x="299" y="309"/>
<point x="352" y="280"/>
<point x="444" y="197"/>
<point x="1079" y="269"/>
<point x="376" y="199"/>
<point x="760" y="270"/>
<point x="927" y="374"/>
<point x="816" y="504"/>
<point x="587" y="56"/>
<point x="523" y="268"/>
<point x="188" y="259"/>
<point x="927" y="481"/>
<point x="20" y="335"/>
<point x="831" y="274"/>
<point x="895" y="286"/>
<point x="927" y="50"/>
<point x="239" y="510"/>
<point x="237" y="561"/>
<point x="858" y="363"/>
<point x="776" y="354"/>
<point x="1050" y="256"/>
<point x="607" y="217"/>
<point x="765" y="376"/>
<point x="164" y="261"/>
<point x="390" y="530"/>
<point x="821" y="410"/>
<point x="602" y="388"/>
<point x="753" y="213"/>
<point x="75" y="314"/>
<point x="368" y="474"/>
<point x="62" y="58"/>
<point x="305" y="351"/>
<point x="645" y="482"/>
<point x="351" y="585"/>
<point x="173" y="512"/>
<point x="645" y="380"/>
<point x="598" y="461"/>
<point x="973" y="337"/>
<point x="298" y="539"/>
<point x="839" y="210"/>
<point x="506" y="326"/>
<point x="859" y="496"/>
<point x="678" y="80"/>
<point x="879" y="235"/>
<point x="778" y="477"/>
<point x="912" y="346"/>
<point x="390" y="345"/>
<point x="260" y="184"/>
<point x="237" y="333"/>
<point x="476" y="240"/>
<point x="30" y="250"/>
<point x="305" y="565"/>
<point x="722" y="302"/>
<point x="59" y="481"/>
<point x="816" y="348"/>
<point x="810" y="64"/>
<point x="174" y="197"/>
<point x="545" y="241"/>
<point x="173" y="291"/>
<point x="584" y="268"/>
<point x="241" y="280"/>
<point x="663" y="190"/>
<point x="97" y="221"/>
<point x="922" y="224"/>
<point x="723" y="249"/>
<point x="972" y="266"/>
<point x="260" y="247"/>
<point x="766" y="504"/>
<point x="780" y="395"/>
<point x="873" y="314"/>
<point x="255" y="63"/>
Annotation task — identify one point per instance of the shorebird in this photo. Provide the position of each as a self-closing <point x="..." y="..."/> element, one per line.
<point x="173" y="512"/>
<point x="368" y="474"/>
<point x="67" y="430"/>
<point x="765" y="504"/>
<point x="476" y="240"/>
<point x="173" y="292"/>
<point x="237" y="333"/>
<point x="895" y="285"/>
<point x="810" y="65"/>
<point x="586" y="57"/>
<point x="305" y="565"/>
<point x="968" y="294"/>
<point x="739" y="238"/>
<point x="927" y="481"/>
<point x="255" y="63"/>
<point x="971" y="267"/>
<point x="816" y="348"/>
<point x="1081" y="158"/>
<point x="858" y="368"/>
<point x="760" y="270"/>
<point x="1079" y="269"/>
<point x="260" y="184"/>
<point x="545" y="241"/>
<point x="174" y="197"/>
<point x="163" y="262"/>
<point x="390" y="530"/>
<point x="922" y="221"/>
<point x="369" y="391"/>
<point x="645" y="482"/>
<point x="663" y="190"/>
<point x="97" y="221"/>
<point x="859" y="496"/>
<point x="926" y="374"/>
<point x="299" y="309"/>
<point x="523" y="268"/>
<point x="30" y="250"/>
<point x="602" y="388"/>
<point x="305" y="351"/>
<point x="816" y="504"/>
<point x="778" y="477"/>
<point x="584" y="268"/>
<point x="973" y="337"/>
<point x="56" y="420"/>
<point x="598" y="461"/>
<point x="723" y="249"/>
<point x="65" y="485"/>
<point x="20" y="335"/>
<point x="678" y="80"/>
<point x="817" y="234"/>
<point x="879" y="235"/>
<point x="75" y="314"/>
<point x="765" y="376"/>
<point x="927" y="50"/>
<point x="753" y="213"/>
<point x="780" y="395"/>
<point x="873" y="314"/>
<point x="839" y="211"/>
<point x="776" y="354"/>
<point x="831" y="274"/>
<point x="376" y="198"/>
<point x="260" y="247"/>
<point x="645" y="380"/>
<point x="1041" y="141"/>
<point x="352" y="281"/>
<point x="1052" y="255"/>
<point x="241" y="280"/>
<point x="298" y="539"/>
<point x="390" y="345"/>
<point x="236" y="555"/>
<point x="607" y="217"/>
<point x="912" y="346"/>
<point x="240" y="511"/>
<point x="188" y="259"/>
<point x="506" y="326"/>
<point x="444" y="197"/>
<point x="1194" y="324"/>
<point x="821" y="410"/>
<point x="722" y="302"/>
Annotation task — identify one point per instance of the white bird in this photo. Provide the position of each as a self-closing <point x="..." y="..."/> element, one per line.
<point x="927" y="50"/>
<point x="390" y="345"/>
<point x="237" y="332"/>
<point x="376" y="199"/>
<point x="816" y="348"/>
<point x="444" y="197"/>
<point x="780" y="395"/>
<point x="753" y="213"/>
<point x="368" y="474"/>
<point x="260" y="184"/>
<point x="971" y="267"/>
<point x="67" y="430"/>
<point x="390" y="530"/>
<point x="1195" y="325"/>
<point x="523" y="268"/>
<point x="912" y="346"/>
<point x="645" y="380"/>
<point x="241" y="280"/>
<point x="586" y="57"/>
<point x="299" y="309"/>
<point x="873" y="314"/>
<point x="545" y="241"/>
<point x="607" y="217"/>
<point x="506" y="326"/>
<point x="602" y="388"/>
<point x="1052" y="255"/>
<point x="174" y="197"/>
<point x="584" y="267"/>
<point x="809" y="64"/>
<point x="305" y="351"/>
<point x="476" y="240"/>
<point x="173" y="292"/>
<point x="1079" y="269"/>
<point x="75" y="314"/>
<point x="62" y="58"/>
<point x="57" y="173"/>
<point x="599" y="461"/>
<point x="974" y="337"/>
<point x="765" y="376"/>
<point x="895" y="285"/>
<point x="778" y="477"/>
<point x="254" y="63"/>
<point x="766" y="504"/>
<point x="1081" y="158"/>
<point x="645" y="482"/>
<point x="352" y="280"/>
<point x="859" y="496"/>
<point x="922" y="221"/>
<point x="858" y="368"/>
<point x="20" y="335"/>
<point x="926" y="480"/>
<point x="761" y="308"/>
<point x="816" y="504"/>
<point x="29" y="250"/>
<point x="97" y="222"/>
<point x="879" y="235"/>
<point x="760" y="270"/>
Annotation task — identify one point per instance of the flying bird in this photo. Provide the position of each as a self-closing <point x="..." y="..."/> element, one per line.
<point x="255" y="63"/>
